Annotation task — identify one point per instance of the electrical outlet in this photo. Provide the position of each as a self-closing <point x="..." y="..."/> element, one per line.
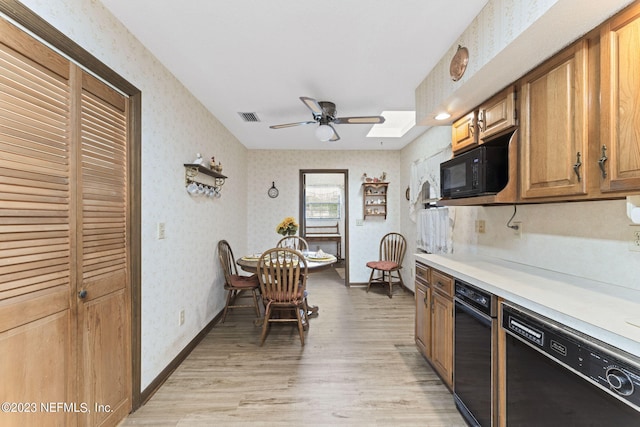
<point x="517" y="231"/>
<point x="181" y="318"/>
<point x="480" y="226"/>
<point x="359" y="222"/>
<point x="634" y="243"/>
<point x="160" y="231"/>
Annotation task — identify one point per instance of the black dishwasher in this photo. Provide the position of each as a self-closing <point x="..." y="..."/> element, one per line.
<point x="556" y="376"/>
<point x="473" y="373"/>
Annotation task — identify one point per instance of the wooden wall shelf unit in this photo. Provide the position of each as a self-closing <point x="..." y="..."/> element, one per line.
<point x="191" y="172"/>
<point x="374" y="199"/>
<point x="193" y="169"/>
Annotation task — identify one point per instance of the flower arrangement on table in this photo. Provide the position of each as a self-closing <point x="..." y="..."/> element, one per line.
<point x="288" y="226"/>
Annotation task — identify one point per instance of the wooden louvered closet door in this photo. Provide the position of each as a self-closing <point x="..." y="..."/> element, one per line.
<point x="63" y="222"/>
<point x="103" y="313"/>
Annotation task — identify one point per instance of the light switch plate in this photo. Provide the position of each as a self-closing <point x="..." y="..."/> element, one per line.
<point x="160" y="231"/>
<point x="634" y="238"/>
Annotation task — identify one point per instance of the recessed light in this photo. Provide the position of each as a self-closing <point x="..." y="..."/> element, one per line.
<point x="443" y="116"/>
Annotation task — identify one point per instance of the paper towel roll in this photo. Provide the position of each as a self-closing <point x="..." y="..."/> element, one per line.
<point x="633" y="209"/>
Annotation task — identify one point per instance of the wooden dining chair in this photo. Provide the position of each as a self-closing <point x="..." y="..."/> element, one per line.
<point x="234" y="283"/>
<point x="282" y="273"/>
<point x="293" y="242"/>
<point x="391" y="254"/>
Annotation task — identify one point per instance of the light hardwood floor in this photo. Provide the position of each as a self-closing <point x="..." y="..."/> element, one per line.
<point x="359" y="367"/>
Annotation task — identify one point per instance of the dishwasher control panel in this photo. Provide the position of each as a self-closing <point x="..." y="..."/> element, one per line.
<point x="610" y="368"/>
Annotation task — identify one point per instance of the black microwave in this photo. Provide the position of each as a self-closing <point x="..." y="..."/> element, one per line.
<point x="481" y="171"/>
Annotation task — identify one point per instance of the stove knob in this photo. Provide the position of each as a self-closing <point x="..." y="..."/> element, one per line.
<point x="619" y="381"/>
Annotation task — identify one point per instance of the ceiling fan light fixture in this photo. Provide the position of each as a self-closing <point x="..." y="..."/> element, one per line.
<point x="324" y="133"/>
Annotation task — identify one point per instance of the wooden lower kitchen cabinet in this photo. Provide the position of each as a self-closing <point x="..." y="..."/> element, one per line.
<point x="423" y="310"/>
<point x="442" y="325"/>
<point x="434" y="320"/>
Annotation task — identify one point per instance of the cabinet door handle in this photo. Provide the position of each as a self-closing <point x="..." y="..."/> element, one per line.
<point x="471" y="129"/>
<point x="576" y="166"/>
<point x="481" y="124"/>
<point x="602" y="160"/>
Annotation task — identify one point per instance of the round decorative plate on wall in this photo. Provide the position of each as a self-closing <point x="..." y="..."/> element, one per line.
<point x="273" y="191"/>
<point x="459" y="63"/>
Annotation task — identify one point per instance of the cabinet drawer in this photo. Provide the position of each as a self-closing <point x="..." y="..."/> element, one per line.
<point x="422" y="273"/>
<point x="441" y="282"/>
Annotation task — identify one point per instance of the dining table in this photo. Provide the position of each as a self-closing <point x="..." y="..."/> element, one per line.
<point x="315" y="262"/>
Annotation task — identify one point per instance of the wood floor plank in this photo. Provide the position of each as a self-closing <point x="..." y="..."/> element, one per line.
<point x="359" y="367"/>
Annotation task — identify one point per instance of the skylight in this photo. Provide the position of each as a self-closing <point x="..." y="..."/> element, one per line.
<point x="396" y="124"/>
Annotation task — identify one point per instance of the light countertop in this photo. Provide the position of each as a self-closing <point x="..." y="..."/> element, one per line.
<point x="604" y="311"/>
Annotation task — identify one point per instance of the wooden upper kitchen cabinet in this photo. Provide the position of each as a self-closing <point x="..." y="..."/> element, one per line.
<point x="554" y="125"/>
<point x="619" y="146"/>
<point x="464" y="133"/>
<point x="423" y="310"/>
<point x="497" y="114"/>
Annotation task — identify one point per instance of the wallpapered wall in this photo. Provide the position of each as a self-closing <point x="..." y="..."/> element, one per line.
<point x="586" y="239"/>
<point x="181" y="271"/>
<point x="495" y="27"/>
<point x="264" y="213"/>
<point x="428" y="144"/>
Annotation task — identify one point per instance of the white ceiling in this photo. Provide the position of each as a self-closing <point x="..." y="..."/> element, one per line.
<point x="259" y="56"/>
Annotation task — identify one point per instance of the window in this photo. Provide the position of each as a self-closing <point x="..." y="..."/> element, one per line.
<point x="323" y="202"/>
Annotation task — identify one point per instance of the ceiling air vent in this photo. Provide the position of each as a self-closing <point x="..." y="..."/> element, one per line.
<point x="249" y="117"/>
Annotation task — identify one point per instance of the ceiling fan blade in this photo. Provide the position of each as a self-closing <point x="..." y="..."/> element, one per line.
<point x="288" y="125"/>
<point x="313" y="105"/>
<point x="335" y="136"/>
<point x="359" y="120"/>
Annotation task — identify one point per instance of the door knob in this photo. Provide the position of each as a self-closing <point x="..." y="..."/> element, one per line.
<point x="82" y="294"/>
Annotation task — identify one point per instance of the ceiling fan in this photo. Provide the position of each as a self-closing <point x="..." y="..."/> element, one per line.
<point x="324" y="113"/>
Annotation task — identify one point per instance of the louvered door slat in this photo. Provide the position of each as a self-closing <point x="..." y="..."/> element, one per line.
<point x="29" y="178"/>
<point x="50" y="149"/>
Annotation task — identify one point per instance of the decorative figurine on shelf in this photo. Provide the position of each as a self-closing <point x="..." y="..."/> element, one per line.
<point x="212" y="163"/>
<point x="199" y="160"/>
<point x="365" y="178"/>
<point x="219" y="167"/>
<point x="383" y="177"/>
